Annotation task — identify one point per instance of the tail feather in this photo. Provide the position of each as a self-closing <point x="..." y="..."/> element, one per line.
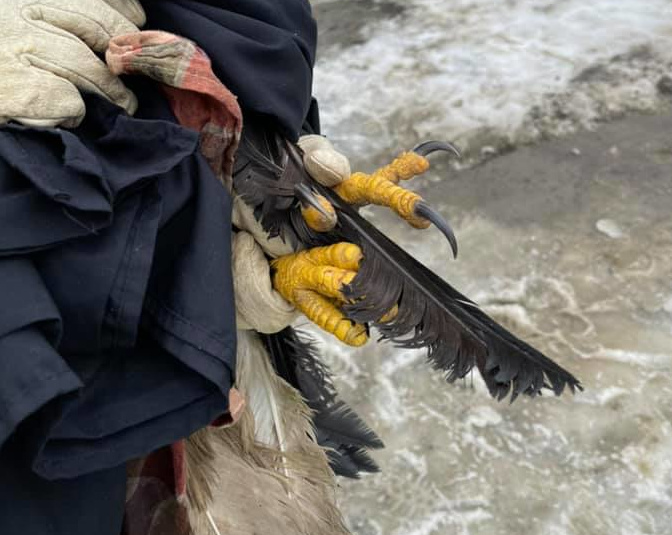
<point x="338" y="428"/>
<point x="349" y="461"/>
<point x="342" y="425"/>
<point x="269" y="462"/>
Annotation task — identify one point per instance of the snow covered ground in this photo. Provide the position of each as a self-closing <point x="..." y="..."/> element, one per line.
<point x="569" y="242"/>
<point x="485" y="72"/>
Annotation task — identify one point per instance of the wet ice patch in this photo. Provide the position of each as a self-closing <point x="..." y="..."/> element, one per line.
<point x="490" y="73"/>
<point x="640" y="358"/>
<point x="401" y="360"/>
<point x="595" y="463"/>
<point x="667" y="306"/>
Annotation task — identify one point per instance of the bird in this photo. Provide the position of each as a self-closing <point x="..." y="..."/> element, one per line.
<point x="347" y="276"/>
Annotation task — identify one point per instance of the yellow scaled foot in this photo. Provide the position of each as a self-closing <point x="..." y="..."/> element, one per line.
<point x="313" y="281"/>
<point x="381" y="187"/>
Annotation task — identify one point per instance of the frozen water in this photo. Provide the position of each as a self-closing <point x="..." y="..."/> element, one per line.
<point x="456" y="461"/>
<point x="393" y="72"/>
<point x="569" y="244"/>
<point x="610" y="228"/>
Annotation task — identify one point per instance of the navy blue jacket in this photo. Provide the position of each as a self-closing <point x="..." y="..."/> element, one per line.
<point x="117" y="324"/>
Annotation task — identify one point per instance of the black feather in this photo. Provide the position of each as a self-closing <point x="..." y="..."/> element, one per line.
<point x="343" y="426"/>
<point x="349" y="461"/>
<point x="338" y="427"/>
<point x="265" y="177"/>
<point x="432" y="314"/>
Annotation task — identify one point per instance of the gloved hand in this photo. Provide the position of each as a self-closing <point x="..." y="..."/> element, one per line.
<point x="313" y="280"/>
<point x="322" y="161"/>
<point x="258" y="305"/>
<point x="47" y="56"/>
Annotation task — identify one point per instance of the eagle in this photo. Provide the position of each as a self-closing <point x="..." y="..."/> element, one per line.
<point x="376" y="283"/>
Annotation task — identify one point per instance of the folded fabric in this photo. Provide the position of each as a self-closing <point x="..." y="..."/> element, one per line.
<point x="201" y="102"/>
<point x="117" y="331"/>
<point x="262" y="50"/>
<point x="56" y="185"/>
<point x="158" y="500"/>
<point x="30" y="505"/>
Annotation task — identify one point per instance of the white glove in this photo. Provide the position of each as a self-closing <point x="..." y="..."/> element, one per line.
<point x="324" y="163"/>
<point x="47" y="55"/>
<point x="258" y="305"/>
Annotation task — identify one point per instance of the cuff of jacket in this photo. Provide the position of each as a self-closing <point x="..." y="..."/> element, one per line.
<point x="41" y="377"/>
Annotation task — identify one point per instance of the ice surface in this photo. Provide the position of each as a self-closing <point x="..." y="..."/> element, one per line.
<point x="568" y="244"/>
<point x="485" y="73"/>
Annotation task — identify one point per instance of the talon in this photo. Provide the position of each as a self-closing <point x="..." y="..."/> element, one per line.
<point x="429" y="147"/>
<point x="425" y="211"/>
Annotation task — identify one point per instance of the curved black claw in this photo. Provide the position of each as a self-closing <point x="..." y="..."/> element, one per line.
<point x="428" y="147"/>
<point x="424" y="210"/>
<point x="309" y="198"/>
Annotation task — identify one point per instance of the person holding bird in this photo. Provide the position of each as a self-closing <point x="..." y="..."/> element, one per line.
<point x="169" y="209"/>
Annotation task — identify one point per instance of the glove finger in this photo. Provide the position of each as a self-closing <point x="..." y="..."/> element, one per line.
<point x="244" y="218"/>
<point x="43" y="112"/>
<point x="324" y="163"/>
<point x="258" y="305"/>
<point x="70" y="59"/>
<point x="95" y="23"/>
<point x="131" y="9"/>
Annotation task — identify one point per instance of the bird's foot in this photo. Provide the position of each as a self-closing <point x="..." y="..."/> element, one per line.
<point x="314" y="281"/>
<point x="382" y="188"/>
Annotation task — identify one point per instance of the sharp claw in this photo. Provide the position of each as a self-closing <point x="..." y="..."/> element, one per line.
<point x="307" y="197"/>
<point x="428" y="147"/>
<point x="424" y="210"/>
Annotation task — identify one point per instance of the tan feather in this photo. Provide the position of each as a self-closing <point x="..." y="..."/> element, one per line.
<point x="267" y="474"/>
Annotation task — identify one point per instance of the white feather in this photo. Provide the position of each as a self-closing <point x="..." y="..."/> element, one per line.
<point x="269" y="461"/>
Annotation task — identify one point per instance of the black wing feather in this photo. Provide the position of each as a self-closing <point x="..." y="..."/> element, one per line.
<point x="432" y="314"/>
<point x="338" y="428"/>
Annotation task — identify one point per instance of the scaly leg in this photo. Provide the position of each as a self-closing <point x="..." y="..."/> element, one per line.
<point x="313" y="280"/>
